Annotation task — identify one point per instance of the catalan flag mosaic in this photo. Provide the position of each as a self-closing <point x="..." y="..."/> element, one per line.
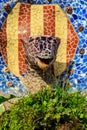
<point x="63" y="20"/>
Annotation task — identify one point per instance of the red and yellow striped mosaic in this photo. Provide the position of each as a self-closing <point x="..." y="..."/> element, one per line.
<point x="37" y="20"/>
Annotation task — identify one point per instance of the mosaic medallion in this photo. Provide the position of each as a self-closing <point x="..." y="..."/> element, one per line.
<point x="37" y="20"/>
<point x="65" y="21"/>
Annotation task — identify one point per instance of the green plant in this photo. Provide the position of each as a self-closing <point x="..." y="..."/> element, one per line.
<point x="48" y="109"/>
<point x="3" y="99"/>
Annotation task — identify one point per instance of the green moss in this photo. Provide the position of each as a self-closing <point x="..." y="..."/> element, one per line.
<point x="48" y="109"/>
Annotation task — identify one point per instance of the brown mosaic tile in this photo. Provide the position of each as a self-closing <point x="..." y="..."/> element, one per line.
<point x="0" y="29"/>
<point x="82" y="51"/>
<point x="6" y="70"/>
<point x="49" y="0"/>
<point x="71" y="71"/>
<point x="69" y="10"/>
<point x="7" y="6"/>
<point x="9" y="84"/>
<point x="81" y="28"/>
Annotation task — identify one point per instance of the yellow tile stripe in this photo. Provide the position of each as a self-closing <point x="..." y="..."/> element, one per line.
<point x="12" y="40"/>
<point x="36" y="20"/>
<point x="61" y="32"/>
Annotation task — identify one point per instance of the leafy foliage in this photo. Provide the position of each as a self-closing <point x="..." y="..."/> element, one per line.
<point x="3" y="99"/>
<point x="48" y="109"/>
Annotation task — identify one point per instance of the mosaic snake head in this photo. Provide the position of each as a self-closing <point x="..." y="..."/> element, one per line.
<point x="41" y="51"/>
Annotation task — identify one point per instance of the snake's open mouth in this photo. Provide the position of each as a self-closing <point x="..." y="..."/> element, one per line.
<point x="43" y="63"/>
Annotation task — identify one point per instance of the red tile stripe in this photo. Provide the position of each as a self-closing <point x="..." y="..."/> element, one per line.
<point x="49" y="20"/>
<point x="72" y="41"/>
<point x="23" y="31"/>
<point x="3" y="42"/>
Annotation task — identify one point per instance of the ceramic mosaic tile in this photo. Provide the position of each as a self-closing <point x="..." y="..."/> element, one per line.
<point x="69" y="23"/>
